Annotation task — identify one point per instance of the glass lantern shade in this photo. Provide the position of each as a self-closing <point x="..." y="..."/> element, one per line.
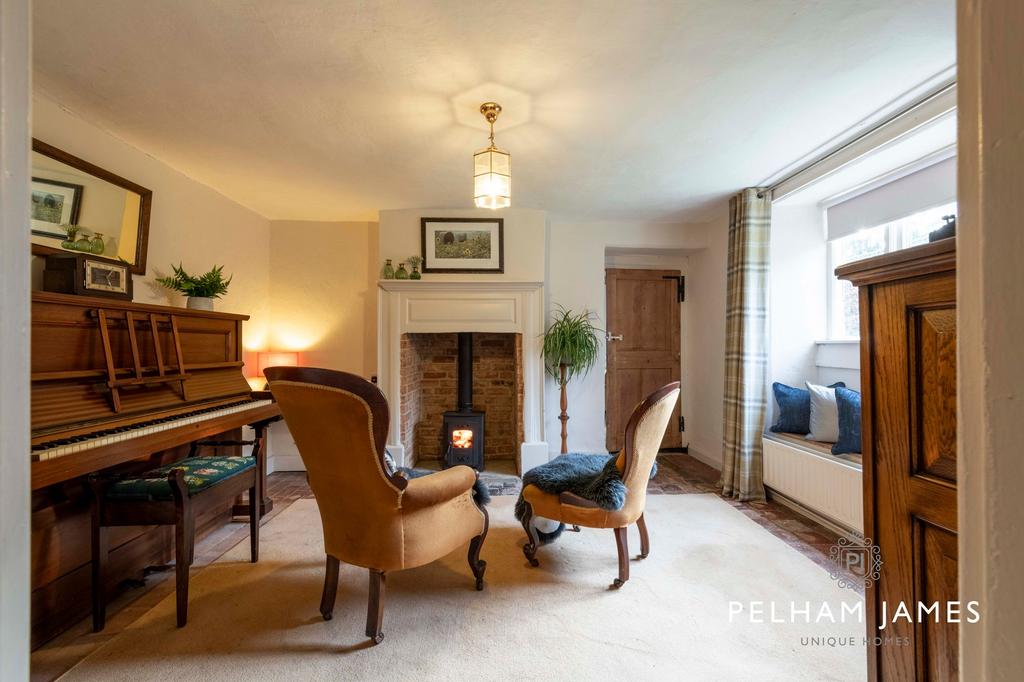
<point x="492" y="178"/>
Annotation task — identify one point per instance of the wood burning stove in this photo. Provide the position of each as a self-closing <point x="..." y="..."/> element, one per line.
<point x="463" y="429"/>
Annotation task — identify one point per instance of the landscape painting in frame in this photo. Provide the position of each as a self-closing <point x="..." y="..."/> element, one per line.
<point x="53" y="204"/>
<point x="463" y="245"/>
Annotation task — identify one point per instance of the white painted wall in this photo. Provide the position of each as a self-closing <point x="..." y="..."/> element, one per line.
<point x="990" y="324"/>
<point x="705" y="356"/>
<point x="191" y="223"/>
<point x="323" y="302"/>
<point x="575" y="279"/>
<point x="525" y="229"/>
<point x="15" y="582"/>
<point x="798" y="291"/>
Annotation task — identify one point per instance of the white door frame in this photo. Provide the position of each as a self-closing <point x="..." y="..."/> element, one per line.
<point x="990" y="322"/>
<point x="15" y="538"/>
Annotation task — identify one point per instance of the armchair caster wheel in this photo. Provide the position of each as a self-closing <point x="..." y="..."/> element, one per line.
<point x="328" y="616"/>
<point x="618" y="583"/>
<point x="377" y="639"/>
<point x="479" y="584"/>
<point x="574" y="528"/>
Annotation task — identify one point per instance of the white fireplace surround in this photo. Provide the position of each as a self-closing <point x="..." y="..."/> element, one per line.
<point x="425" y="307"/>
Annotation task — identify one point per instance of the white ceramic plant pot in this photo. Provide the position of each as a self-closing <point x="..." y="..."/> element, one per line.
<point x="200" y="303"/>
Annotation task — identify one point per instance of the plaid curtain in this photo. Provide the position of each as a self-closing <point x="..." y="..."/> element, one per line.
<point x="746" y="344"/>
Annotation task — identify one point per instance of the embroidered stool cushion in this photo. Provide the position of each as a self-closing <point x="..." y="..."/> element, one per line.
<point x="200" y="473"/>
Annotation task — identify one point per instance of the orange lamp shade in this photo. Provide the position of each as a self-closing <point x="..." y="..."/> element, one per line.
<point x="276" y="359"/>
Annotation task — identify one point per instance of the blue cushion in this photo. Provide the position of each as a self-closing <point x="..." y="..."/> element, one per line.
<point x="794" y="408"/>
<point x="848" y="403"/>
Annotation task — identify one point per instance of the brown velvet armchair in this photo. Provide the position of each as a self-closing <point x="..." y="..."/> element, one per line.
<point x="644" y="433"/>
<point x="371" y="518"/>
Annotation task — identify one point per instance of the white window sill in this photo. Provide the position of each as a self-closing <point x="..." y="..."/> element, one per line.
<point x="834" y="342"/>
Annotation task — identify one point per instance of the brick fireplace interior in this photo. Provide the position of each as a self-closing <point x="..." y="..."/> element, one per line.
<point x="429" y="388"/>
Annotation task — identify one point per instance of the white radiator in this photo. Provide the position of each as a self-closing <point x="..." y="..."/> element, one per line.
<point x="824" y="484"/>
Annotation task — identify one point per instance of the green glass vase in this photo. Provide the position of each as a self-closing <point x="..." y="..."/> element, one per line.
<point x="415" y="274"/>
<point x="389" y="271"/>
<point x="401" y="273"/>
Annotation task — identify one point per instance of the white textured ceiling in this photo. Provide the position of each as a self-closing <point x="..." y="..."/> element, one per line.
<point x="330" y="110"/>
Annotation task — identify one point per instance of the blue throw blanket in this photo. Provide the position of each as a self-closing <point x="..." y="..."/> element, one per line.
<point x="592" y="477"/>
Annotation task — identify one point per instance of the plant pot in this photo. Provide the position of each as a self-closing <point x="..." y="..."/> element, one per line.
<point x="200" y="303"/>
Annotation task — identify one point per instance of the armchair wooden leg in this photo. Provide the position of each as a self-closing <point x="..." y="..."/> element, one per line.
<point x="476" y="564"/>
<point x="330" y="587"/>
<point x="622" y="545"/>
<point x="375" y="606"/>
<point x="530" y="548"/>
<point x="645" y="540"/>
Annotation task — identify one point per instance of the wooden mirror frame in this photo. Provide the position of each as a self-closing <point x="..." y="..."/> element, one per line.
<point x="145" y="203"/>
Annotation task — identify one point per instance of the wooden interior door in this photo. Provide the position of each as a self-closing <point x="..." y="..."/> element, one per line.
<point x="912" y="479"/>
<point x="643" y="346"/>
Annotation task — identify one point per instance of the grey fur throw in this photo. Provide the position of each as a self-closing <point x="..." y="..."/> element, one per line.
<point x="592" y="477"/>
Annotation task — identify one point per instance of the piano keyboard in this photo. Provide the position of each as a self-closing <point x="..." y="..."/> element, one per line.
<point x="69" y="446"/>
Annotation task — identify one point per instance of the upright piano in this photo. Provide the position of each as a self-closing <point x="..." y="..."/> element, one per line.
<point x="119" y="386"/>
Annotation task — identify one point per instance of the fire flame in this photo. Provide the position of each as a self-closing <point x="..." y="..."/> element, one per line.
<point x="462" y="438"/>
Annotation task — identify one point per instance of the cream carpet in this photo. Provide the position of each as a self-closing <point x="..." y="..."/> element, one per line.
<point x="558" y="621"/>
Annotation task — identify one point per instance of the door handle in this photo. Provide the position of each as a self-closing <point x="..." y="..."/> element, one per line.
<point x="613" y="337"/>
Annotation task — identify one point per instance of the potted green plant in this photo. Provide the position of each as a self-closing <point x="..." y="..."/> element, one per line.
<point x="571" y="346"/>
<point x="201" y="289"/>
<point x="414" y="262"/>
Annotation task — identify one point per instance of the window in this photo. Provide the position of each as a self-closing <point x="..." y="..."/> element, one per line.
<point x="844" y="310"/>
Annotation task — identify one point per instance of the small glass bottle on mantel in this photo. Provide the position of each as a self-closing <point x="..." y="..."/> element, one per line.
<point x="389" y="270"/>
<point x="401" y="273"/>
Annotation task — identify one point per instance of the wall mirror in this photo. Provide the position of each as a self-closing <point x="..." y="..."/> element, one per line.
<point x="79" y="207"/>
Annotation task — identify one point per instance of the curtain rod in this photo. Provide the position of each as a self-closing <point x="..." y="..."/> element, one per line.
<point x="846" y="145"/>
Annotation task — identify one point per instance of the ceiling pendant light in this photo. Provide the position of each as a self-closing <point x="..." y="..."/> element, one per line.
<point x="492" y="168"/>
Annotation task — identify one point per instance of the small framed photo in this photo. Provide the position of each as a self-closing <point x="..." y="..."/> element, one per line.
<point x="54" y="203"/>
<point x="471" y="245"/>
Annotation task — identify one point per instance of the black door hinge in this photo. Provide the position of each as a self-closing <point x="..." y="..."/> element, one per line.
<point x="680" y="285"/>
<point x="682" y="423"/>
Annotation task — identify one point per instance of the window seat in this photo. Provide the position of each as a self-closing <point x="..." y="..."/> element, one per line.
<point x="806" y="475"/>
<point x="815" y="448"/>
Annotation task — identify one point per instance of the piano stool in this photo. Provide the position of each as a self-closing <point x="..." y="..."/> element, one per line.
<point x="170" y="495"/>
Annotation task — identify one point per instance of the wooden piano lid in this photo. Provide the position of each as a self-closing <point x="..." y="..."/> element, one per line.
<point x="114" y="304"/>
<point x="97" y="359"/>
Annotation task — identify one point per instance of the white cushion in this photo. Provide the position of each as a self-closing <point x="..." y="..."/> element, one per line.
<point x="824" y="414"/>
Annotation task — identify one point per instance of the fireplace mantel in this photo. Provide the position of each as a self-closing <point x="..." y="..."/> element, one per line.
<point x="418" y="306"/>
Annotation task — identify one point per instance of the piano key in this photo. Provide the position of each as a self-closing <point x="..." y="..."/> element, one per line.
<point x="63" y="447"/>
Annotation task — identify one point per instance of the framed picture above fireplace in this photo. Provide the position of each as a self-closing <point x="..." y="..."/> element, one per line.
<point x="470" y="245"/>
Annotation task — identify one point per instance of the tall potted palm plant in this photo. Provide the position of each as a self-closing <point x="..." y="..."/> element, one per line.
<point x="571" y="345"/>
